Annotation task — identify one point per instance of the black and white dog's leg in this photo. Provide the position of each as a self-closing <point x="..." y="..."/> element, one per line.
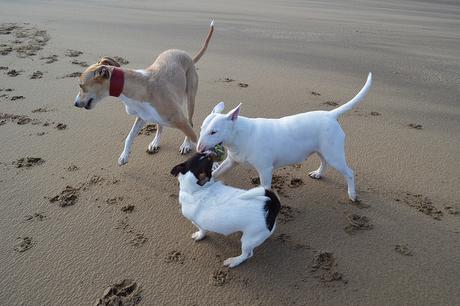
<point x="137" y="126"/>
<point x="248" y="243"/>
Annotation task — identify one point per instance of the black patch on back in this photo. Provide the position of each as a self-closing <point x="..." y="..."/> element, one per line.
<point x="199" y="164"/>
<point x="272" y="207"/>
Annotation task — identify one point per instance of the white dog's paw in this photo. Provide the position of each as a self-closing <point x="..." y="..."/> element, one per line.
<point x="199" y="235"/>
<point x="315" y="175"/>
<point x="232" y="262"/>
<point x="185" y="148"/>
<point x="123" y="159"/>
<point x="153" y="148"/>
<point x="352" y="196"/>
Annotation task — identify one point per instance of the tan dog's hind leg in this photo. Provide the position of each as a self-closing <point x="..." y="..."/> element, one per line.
<point x="192" y="87"/>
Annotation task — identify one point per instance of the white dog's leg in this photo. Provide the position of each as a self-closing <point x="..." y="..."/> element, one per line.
<point x="318" y="173"/>
<point x="248" y="243"/>
<point x="185" y="147"/>
<point x="265" y="176"/>
<point x="154" y="146"/>
<point x="224" y="167"/>
<point x="137" y="126"/>
<point x="335" y="157"/>
<point x="199" y="235"/>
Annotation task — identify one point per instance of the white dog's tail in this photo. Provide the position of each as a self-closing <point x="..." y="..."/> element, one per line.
<point x="253" y="193"/>
<point x="350" y="104"/>
<point x="200" y="53"/>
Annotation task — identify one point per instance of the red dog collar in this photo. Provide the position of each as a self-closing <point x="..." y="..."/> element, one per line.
<point x="117" y="81"/>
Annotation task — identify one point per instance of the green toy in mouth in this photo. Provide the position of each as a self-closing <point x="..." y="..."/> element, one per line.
<point x="217" y="154"/>
<point x="220" y="151"/>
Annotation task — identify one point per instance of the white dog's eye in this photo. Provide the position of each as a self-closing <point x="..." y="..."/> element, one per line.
<point x="212" y="132"/>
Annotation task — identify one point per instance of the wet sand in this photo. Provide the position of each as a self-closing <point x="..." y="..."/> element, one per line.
<point x="77" y="228"/>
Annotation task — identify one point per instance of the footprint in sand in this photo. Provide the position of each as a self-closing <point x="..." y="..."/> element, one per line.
<point x="415" y="126"/>
<point x="72" y="53"/>
<point x="357" y="223"/>
<point x="13" y="73"/>
<point x="28" y="162"/>
<point x="35" y="216"/>
<point x="331" y="103"/>
<point x="27" y="40"/>
<point x="23" y="244"/>
<point x="315" y="93"/>
<point x="375" y="114"/>
<point x="295" y="182"/>
<point x="121" y="60"/>
<point x="243" y="85"/>
<point x="422" y="204"/>
<point x="403" y="249"/>
<point x="36" y="75"/>
<point x="67" y="197"/>
<point x="72" y="168"/>
<point x="287" y="214"/>
<point x="127" y="208"/>
<point x="15" y="98"/>
<point x="114" y="200"/>
<point x="175" y="257"/>
<point x="80" y="63"/>
<point x="126" y="292"/>
<point x="70" y="75"/>
<point x="50" y="59"/>
<point x="148" y="129"/>
<point x="61" y="126"/>
<point x="220" y="277"/>
<point x="326" y="263"/>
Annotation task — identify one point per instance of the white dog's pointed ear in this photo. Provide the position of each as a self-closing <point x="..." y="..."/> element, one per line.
<point x="233" y="114"/>
<point x="219" y="107"/>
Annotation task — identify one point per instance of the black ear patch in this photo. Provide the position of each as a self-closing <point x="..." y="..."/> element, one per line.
<point x="199" y="164"/>
<point x="178" y="169"/>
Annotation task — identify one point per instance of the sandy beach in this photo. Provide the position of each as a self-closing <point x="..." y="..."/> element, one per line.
<point x="74" y="224"/>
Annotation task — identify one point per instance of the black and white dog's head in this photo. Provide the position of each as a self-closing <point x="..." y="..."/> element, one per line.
<point x="199" y="164"/>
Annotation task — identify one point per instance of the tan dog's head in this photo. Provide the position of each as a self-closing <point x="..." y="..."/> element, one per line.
<point x="95" y="83"/>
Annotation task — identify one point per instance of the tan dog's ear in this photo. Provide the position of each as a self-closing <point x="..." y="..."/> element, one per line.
<point x="108" y="61"/>
<point x="102" y="72"/>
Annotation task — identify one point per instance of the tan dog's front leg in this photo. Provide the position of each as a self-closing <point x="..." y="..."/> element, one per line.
<point x="154" y="146"/>
<point x="190" y="136"/>
<point x="137" y="126"/>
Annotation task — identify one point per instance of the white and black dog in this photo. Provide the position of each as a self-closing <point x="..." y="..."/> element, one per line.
<point x="215" y="207"/>
<point x="267" y="144"/>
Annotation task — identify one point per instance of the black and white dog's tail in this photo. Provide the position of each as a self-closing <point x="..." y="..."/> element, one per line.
<point x="272" y="207"/>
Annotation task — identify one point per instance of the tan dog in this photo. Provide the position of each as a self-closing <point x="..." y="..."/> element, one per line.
<point x="163" y="93"/>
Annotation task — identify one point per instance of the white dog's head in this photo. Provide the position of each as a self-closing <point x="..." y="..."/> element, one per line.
<point x="217" y="127"/>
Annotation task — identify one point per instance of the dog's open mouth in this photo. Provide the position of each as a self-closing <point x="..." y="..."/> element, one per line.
<point x="88" y="105"/>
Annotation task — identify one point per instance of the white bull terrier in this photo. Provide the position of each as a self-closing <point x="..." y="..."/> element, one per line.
<point x="267" y="144"/>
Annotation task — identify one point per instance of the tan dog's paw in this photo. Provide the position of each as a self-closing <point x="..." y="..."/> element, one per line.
<point x="152" y="149"/>
<point x="185" y="147"/>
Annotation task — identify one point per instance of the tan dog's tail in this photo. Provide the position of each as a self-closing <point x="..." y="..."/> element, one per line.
<point x="200" y="53"/>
